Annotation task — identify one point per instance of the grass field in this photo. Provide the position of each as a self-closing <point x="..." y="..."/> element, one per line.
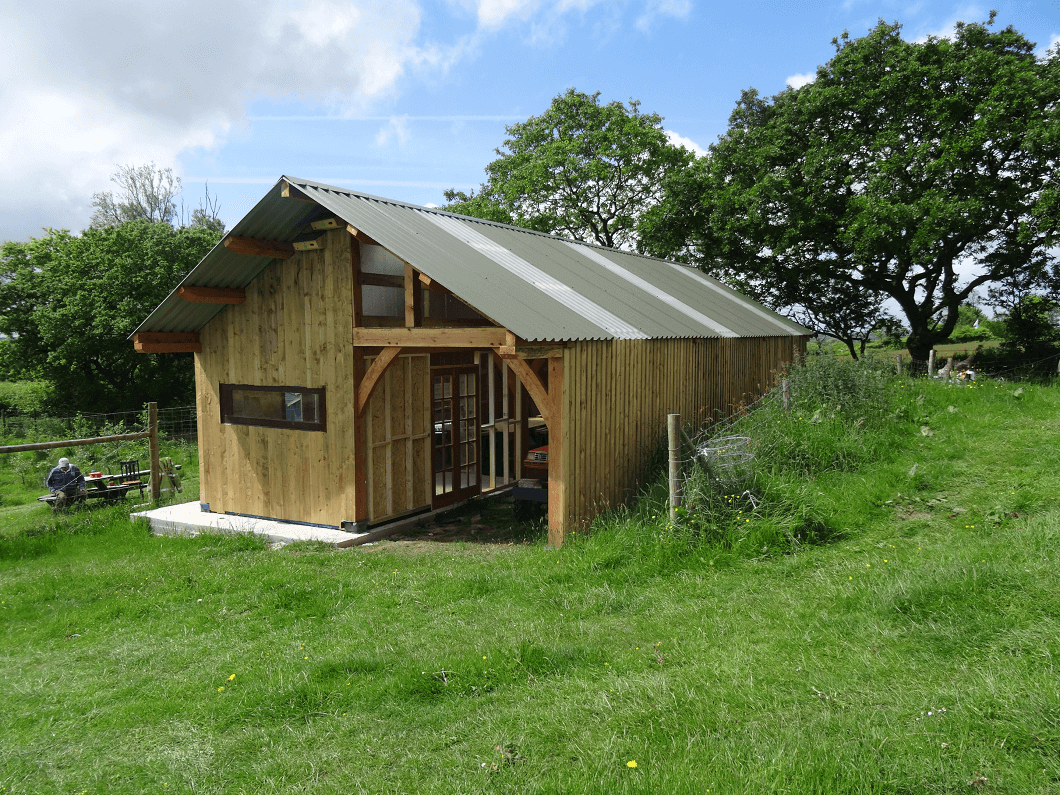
<point x="915" y="652"/>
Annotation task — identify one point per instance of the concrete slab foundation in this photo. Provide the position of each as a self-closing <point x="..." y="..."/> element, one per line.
<point x="189" y="519"/>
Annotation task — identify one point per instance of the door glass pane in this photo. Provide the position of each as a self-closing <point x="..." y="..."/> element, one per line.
<point x="447" y="386"/>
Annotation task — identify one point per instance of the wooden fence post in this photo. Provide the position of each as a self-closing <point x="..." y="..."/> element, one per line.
<point x="156" y="470"/>
<point x="898" y="362"/>
<point x="931" y="363"/>
<point x="672" y="434"/>
<point x="785" y="386"/>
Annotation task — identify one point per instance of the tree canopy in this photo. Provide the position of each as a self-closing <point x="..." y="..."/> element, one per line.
<point x="69" y="302"/>
<point x="149" y="193"/>
<point x="917" y="170"/>
<point x="581" y="169"/>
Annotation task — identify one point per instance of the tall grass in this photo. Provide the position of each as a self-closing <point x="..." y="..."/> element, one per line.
<point x="751" y="483"/>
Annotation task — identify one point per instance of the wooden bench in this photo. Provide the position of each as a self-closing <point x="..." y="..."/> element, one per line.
<point x="104" y="492"/>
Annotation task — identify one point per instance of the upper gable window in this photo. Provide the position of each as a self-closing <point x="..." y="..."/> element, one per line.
<point x="293" y="407"/>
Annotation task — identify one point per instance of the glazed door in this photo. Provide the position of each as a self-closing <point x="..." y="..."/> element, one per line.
<point x="454" y="393"/>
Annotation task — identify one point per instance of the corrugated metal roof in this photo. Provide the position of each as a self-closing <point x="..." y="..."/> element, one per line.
<point x="538" y="286"/>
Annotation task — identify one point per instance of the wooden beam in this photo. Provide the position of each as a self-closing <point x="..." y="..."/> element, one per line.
<point x="382" y="280"/>
<point x="360" y="435"/>
<point x="429" y="337"/>
<point x="316" y="244"/>
<point x="530" y="351"/>
<point x="166" y="336"/>
<point x="25" y="448"/>
<point x="212" y="295"/>
<point x="327" y="223"/>
<point x="167" y="347"/>
<point x="360" y="236"/>
<point x="537" y="391"/>
<point x="259" y="248"/>
<point x="432" y="285"/>
<point x="385" y="358"/>
<point x="289" y="191"/>
<point x="558" y="510"/>
<point x="167" y="342"/>
<point x="413" y="298"/>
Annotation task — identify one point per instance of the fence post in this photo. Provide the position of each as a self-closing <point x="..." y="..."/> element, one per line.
<point x="898" y="362"/>
<point x="785" y="386"/>
<point x="156" y="471"/>
<point x="931" y="363"/>
<point x="672" y="435"/>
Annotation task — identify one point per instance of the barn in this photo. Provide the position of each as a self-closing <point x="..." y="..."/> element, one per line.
<point x="359" y="359"/>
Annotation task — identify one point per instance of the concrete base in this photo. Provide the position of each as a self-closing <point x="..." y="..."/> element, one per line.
<point x="189" y="519"/>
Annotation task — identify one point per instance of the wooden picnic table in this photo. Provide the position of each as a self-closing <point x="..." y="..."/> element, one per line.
<point x="100" y="488"/>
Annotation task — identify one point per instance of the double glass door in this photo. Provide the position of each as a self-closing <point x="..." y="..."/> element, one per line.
<point x="454" y="409"/>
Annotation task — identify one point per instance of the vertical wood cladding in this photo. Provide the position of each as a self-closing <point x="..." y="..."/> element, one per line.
<point x="293" y="330"/>
<point x="617" y="394"/>
<point x="399" y="438"/>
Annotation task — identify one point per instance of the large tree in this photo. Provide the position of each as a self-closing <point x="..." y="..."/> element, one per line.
<point x="68" y="303"/>
<point x="920" y="170"/>
<point x="581" y="169"/>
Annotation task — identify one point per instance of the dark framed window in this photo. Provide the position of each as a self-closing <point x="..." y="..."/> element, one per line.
<point x="293" y="407"/>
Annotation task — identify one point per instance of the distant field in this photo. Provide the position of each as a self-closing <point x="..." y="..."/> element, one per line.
<point x="916" y="652"/>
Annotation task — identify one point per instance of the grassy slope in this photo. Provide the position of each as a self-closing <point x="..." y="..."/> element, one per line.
<point x="916" y="655"/>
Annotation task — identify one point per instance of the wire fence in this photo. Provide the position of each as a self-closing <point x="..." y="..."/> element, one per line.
<point x="173" y="423"/>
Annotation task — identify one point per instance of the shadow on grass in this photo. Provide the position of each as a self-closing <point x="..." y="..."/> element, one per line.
<point x="484" y="520"/>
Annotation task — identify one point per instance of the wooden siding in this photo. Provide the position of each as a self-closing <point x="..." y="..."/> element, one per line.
<point x="398" y="417"/>
<point x="293" y="330"/>
<point x="616" y="395"/>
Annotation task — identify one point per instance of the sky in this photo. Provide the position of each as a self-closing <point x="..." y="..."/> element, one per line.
<point x="398" y="98"/>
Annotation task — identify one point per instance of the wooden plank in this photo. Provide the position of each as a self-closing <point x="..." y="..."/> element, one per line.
<point x="166" y="336"/>
<point x="289" y="191"/>
<point x="367" y="279"/>
<point x="413" y="298"/>
<point x="256" y="247"/>
<point x="529" y="351"/>
<point x="558" y="518"/>
<point x="371" y="378"/>
<point x="167" y="347"/>
<point x="212" y="295"/>
<point x="429" y="337"/>
<point x="328" y="223"/>
<point x="360" y="236"/>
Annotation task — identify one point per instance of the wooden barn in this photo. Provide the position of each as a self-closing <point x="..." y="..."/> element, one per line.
<point x="358" y="359"/>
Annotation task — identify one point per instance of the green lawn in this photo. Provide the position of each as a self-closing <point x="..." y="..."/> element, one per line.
<point x="917" y="653"/>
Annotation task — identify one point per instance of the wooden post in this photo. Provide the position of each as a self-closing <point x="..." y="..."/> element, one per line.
<point x="558" y="519"/>
<point x="785" y="386"/>
<point x="898" y="362"/>
<point x="156" y="471"/>
<point x="672" y="435"/>
<point x="931" y="363"/>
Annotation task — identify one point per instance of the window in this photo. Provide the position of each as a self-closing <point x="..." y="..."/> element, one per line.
<point x="291" y="407"/>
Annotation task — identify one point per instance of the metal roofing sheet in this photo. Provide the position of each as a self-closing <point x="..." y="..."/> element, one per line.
<point x="538" y="286"/>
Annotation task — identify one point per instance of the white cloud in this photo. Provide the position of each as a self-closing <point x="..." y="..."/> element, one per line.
<point x="798" y="81"/>
<point x="95" y="83"/>
<point x="677" y="9"/>
<point x="397" y="127"/>
<point x="1042" y="51"/>
<point x="687" y="143"/>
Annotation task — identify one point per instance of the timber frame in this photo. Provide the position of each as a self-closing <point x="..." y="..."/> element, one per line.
<point x="407" y="357"/>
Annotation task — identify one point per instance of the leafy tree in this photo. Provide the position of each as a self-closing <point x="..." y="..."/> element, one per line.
<point x="68" y="303"/>
<point x="149" y="193"/>
<point x="1027" y="306"/>
<point x="901" y="162"/>
<point x="581" y="169"/>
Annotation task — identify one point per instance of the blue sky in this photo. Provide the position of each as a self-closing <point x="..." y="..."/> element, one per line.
<point x="400" y="98"/>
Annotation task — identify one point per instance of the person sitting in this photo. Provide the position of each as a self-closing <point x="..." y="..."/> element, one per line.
<point x="65" y="482"/>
